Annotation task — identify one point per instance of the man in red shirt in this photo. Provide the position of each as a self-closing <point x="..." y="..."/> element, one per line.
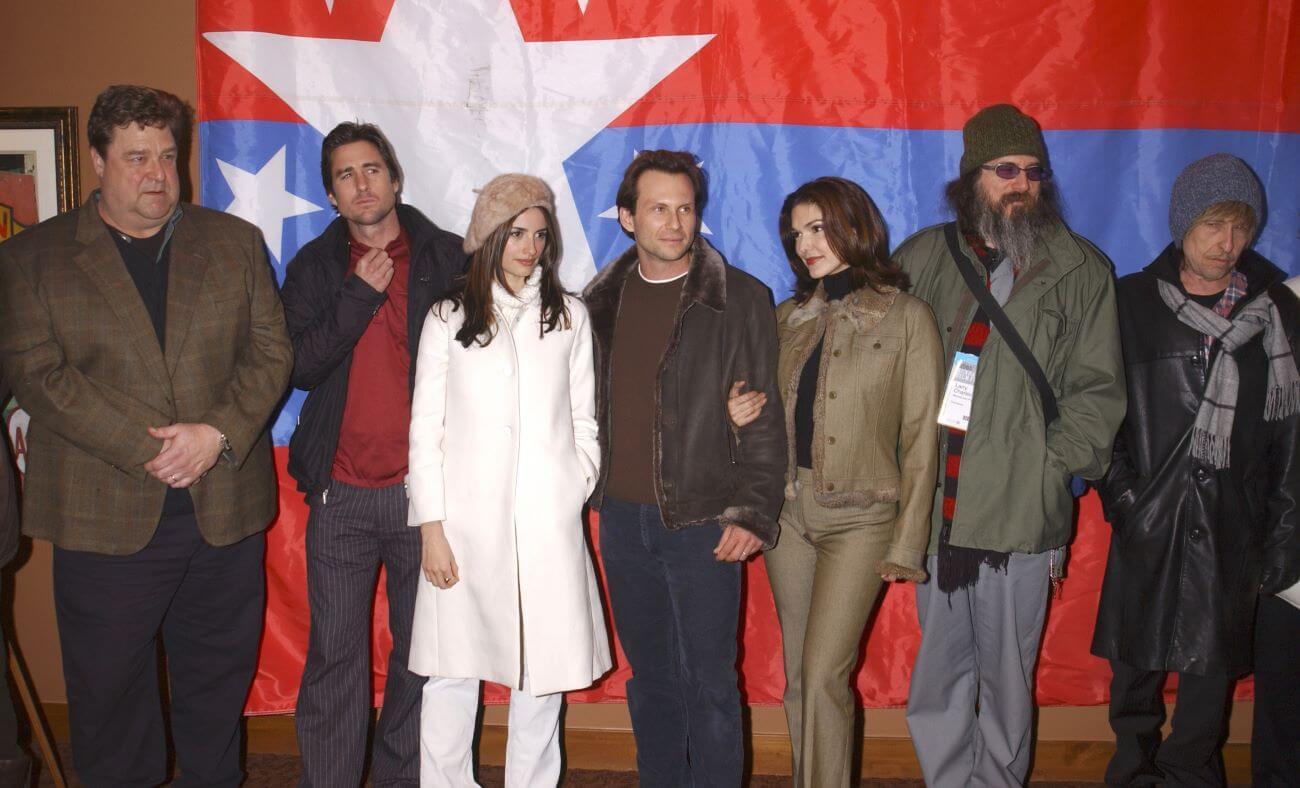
<point x="355" y="299"/>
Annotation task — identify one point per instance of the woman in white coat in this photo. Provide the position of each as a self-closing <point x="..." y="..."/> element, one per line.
<point x="503" y="455"/>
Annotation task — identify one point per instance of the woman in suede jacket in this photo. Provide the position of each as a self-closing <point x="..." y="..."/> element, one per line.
<point x="860" y="373"/>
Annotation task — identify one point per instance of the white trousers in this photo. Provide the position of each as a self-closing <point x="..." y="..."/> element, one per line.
<point x="448" y="714"/>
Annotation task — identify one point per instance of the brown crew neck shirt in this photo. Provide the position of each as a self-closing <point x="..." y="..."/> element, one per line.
<point x="646" y="315"/>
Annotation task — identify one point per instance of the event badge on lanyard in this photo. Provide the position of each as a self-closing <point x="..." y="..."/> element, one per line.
<point x="954" y="412"/>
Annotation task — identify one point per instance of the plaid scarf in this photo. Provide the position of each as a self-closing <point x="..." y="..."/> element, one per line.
<point x="1212" y="431"/>
<point x="959" y="567"/>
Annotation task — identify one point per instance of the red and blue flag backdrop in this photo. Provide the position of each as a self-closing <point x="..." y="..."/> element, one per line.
<point x="769" y="94"/>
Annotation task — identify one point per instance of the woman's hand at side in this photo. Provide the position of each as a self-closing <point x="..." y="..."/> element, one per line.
<point x="436" y="557"/>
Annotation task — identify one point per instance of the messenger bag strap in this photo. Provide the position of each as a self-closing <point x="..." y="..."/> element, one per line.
<point x="1003" y="324"/>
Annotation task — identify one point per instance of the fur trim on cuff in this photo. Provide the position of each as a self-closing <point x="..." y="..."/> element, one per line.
<point x="901" y="572"/>
<point x="751" y="520"/>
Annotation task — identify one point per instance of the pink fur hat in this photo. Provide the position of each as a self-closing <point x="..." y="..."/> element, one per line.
<point x="502" y="199"/>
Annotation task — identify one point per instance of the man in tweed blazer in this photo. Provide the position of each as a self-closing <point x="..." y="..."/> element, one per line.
<point x="147" y="342"/>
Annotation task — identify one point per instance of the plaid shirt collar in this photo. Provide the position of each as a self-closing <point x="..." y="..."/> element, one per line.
<point x="1237" y="284"/>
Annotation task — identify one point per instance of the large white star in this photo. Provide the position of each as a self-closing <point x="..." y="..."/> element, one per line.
<point x="261" y="198"/>
<point x="464" y="97"/>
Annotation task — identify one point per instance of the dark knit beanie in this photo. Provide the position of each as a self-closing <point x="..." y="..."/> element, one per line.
<point x="1000" y="130"/>
<point x="1220" y="177"/>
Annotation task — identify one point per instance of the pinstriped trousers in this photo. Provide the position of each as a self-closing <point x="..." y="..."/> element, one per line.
<point x="350" y="531"/>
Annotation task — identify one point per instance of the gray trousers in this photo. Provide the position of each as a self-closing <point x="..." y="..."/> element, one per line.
<point x="349" y="533"/>
<point x="970" y="709"/>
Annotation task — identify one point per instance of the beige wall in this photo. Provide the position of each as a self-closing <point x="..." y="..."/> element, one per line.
<point x="61" y="52"/>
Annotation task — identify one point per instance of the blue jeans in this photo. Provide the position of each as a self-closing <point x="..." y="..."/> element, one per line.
<point x="675" y="611"/>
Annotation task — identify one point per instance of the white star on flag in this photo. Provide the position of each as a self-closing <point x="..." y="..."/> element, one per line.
<point x="262" y="198"/>
<point x="612" y="211"/>
<point x="463" y="97"/>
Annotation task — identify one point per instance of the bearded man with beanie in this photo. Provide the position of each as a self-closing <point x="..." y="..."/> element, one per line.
<point x="1030" y="404"/>
<point x="1203" y="492"/>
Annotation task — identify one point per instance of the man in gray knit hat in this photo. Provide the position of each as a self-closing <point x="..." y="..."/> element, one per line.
<point x="1203" y="491"/>
<point x="1025" y="410"/>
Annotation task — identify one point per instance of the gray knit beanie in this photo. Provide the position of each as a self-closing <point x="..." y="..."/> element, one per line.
<point x="1000" y="130"/>
<point x="502" y="199"/>
<point x="1220" y="177"/>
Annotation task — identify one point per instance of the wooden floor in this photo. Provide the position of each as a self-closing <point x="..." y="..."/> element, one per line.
<point x="607" y="758"/>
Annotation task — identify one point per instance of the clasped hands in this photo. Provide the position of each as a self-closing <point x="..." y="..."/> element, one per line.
<point x="188" y="452"/>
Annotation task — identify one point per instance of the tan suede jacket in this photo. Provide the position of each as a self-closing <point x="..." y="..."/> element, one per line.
<point x="874" y="436"/>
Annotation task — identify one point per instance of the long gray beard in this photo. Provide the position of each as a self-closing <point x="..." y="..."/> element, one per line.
<point x="1016" y="235"/>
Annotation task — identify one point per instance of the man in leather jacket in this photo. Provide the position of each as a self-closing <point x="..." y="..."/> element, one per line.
<point x="683" y="499"/>
<point x="1203" y="490"/>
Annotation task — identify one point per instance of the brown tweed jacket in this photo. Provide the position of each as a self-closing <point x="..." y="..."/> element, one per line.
<point x="78" y="347"/>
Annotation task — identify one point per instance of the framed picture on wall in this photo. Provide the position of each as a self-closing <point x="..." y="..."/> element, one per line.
<point x="39" y="178"/>
<point x="39" y="170"/>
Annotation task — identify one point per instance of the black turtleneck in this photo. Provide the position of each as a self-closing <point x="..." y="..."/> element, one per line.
<point x="836" y="287"/>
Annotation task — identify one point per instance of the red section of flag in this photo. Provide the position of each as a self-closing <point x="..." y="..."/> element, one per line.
<point x="227" y="91"/>
<point x="1068" y="674"/>
<point x="1073" y="64"/>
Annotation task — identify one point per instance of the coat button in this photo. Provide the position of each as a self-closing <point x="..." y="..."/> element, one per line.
<point x="831" y="440"/>
<point x="1197" y="360"/>
<point x="835" y="352"/>
<point x="876" y="346"/>
<point x="1195" y="534"/>
<point x="831" y="395"/>
<point x="830" y="486"/>
<point x="509" y="429"/>
<point x="1202" y="475"/>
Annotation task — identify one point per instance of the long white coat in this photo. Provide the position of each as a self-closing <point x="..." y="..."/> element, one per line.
<point x="504" y="452"/>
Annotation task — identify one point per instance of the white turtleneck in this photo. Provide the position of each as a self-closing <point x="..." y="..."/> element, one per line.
<point x="512" y="305"/>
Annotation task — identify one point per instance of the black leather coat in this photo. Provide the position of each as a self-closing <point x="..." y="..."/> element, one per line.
<point x="1192" y="547"/>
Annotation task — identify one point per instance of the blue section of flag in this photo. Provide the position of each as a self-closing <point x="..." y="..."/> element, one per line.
<point x="248" y="145"/>
<point x="1114" y="184"/>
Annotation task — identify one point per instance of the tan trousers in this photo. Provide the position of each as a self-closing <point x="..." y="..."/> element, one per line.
<point x="824" y="581"/>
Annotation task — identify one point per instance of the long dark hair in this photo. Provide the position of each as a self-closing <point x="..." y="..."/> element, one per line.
<point x="854" y="230"/>
<point x="475" y="290"/>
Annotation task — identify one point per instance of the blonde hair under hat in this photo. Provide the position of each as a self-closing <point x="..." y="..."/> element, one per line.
<point x="503" y="198"/>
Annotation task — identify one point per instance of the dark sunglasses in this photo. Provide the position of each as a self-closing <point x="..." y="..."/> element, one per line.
<point x="1008" y="171"/>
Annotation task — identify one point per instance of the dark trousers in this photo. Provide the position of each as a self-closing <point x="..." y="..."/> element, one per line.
<point x="675" y="611"/>
<point x="1193" y="753"/>
<point x="208" y="603"/>
<point x="349" y="533"/>
<point x="9" y="749"/>
<point x="1275" y="744"/>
